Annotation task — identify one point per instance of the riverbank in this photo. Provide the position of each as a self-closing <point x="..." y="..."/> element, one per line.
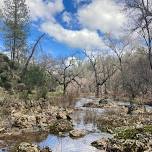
<point x="88" y="124"/>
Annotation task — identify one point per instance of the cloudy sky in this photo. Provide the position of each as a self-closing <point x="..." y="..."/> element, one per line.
<point x="73" y="25"/>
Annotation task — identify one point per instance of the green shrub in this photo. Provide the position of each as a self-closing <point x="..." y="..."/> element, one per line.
<point x="148" y="129"/>
<point x="7" y="85"/>
<point x="34" y="77"/>
<point x="131" y="132"/>
<point x="4" y="66"/>
<point x="4" y="58"/>
<point x="5" y="72"/>
<point x="42" y="92"/>
<point x="23" y="95"/>
<point x="4" y="76"/>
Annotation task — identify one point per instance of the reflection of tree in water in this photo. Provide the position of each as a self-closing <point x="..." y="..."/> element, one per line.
<point x="86" y="117"/>
<point x="59" y="146"/>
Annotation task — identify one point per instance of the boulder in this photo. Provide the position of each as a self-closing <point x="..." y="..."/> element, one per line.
<point x="22" y="121"/>
<point x="121" y="145"/>
<point x="61" y="115"/>
<point x="91" y="105"/>
<point x="27" y="147"/>
<point x="2" y="130"/>
<point x="103" y="101"/>
<point x="100" y="144"/>
<point x="77" y="133"/>
<point x="62" y="134"/>
<point x="131" y="108"/>
<point x="136" y="109"/>
<point x="46" y="149"/>
<point x="61" y="125"/>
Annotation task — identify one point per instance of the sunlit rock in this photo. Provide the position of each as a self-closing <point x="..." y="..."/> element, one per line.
<point x="77" y="133"/>
<point x="62" y="125"/>
<point x="27" y="147"/>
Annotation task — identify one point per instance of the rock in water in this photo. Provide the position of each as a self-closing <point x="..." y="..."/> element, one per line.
<point x="46" y="149"/>
<point x="62" y="125"/>
<point x="100" y="144"/>
<point x="27" y="147"/>
<point x="91" y="104"/>
<point x="77" y="133"/>
<point x="103" y="101"/>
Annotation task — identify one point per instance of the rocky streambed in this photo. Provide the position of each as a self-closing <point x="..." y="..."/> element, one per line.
<point x="88" y="127"/>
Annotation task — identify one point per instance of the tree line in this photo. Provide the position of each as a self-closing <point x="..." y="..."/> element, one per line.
<point x="123" y="71"/>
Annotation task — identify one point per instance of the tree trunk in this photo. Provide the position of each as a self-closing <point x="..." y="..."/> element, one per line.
<point x="97" y="91"/>
<point x="64" y="89"/>
<point x="14" y="33"/>
<point x="31" y="55"/>
<point x="105" y="89"/>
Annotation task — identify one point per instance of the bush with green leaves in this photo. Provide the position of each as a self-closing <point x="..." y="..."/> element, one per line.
<point x="42" y="92"/>
<point x="23" y="95"/>
<point x="35" y="77"/>
<point x="5" y="72"/>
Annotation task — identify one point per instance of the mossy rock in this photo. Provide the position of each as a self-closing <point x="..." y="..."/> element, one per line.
<point x="148" y="129"/>
<point x="126" y="133"/>
<point x="61" y="126"/>
<point x="131" y="132"/>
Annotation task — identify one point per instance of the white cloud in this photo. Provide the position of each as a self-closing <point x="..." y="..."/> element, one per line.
<point x="72" y="61"/>
<point x="78" y="39"/>
<point x="66" y="17"/>
<point x="99" y="14"/>
<point x="107" y="18"/>
<point x="104" y="15"/>
<point x="1" y="4"/>
<point x="40" y="9"/>
<point x="44" y="10"/>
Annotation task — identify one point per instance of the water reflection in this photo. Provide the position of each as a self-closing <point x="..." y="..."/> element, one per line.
<point x="83" y="118"/>
<point x="67" y="144"/>
<point x="87" y="119"/>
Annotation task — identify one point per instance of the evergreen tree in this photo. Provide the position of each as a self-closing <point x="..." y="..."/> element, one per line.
<point x="16" y="21"/>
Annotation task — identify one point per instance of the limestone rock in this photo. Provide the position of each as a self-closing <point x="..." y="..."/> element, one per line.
<point x="61" y="125"/>
<point x="61" y="115"/>
<point x="100" y="144"/>
<point x="27" y="147"/>
<point x="77" y="133"/>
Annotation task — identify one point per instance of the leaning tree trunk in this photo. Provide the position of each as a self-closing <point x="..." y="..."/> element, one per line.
<point x="31" y="55"/>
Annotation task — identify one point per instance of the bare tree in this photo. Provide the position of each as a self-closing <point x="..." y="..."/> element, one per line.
<point x="65" y="73"/>
<point x="101" y="74"/>
<point x="118" y="47"/>
<point x="143" y="22"/>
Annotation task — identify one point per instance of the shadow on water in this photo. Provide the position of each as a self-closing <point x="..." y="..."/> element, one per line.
<point x="83" y="118"/>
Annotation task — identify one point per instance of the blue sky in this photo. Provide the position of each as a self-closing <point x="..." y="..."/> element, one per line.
<point x="73" y="25"/>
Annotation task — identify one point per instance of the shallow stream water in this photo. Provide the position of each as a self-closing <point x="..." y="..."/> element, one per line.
<point x="83" y="118"/>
